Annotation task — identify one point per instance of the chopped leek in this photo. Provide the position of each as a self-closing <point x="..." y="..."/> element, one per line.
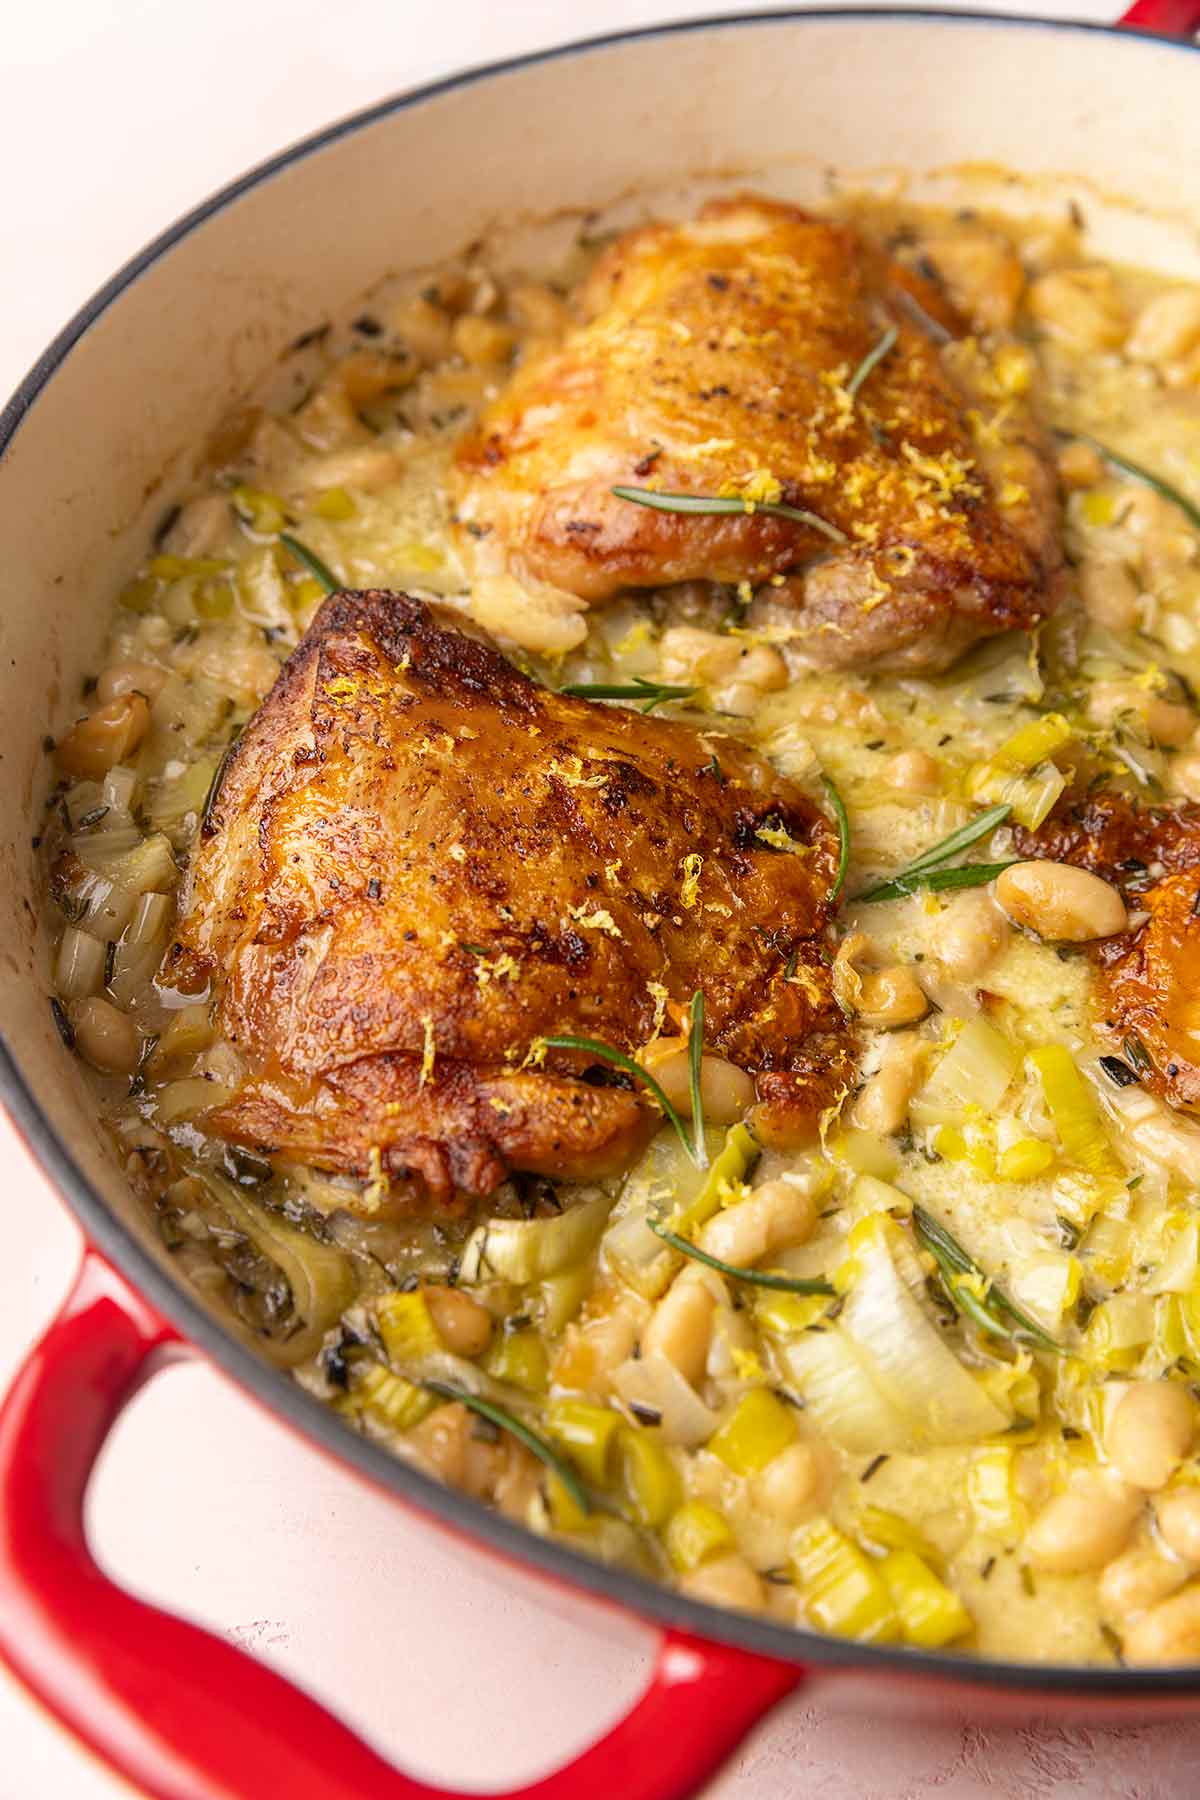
<point x="737" y="1157"/>
<point x="992" y="1493"/>
<point x="971" y="1290"/>
<point x="842" y="1590"/>
<point x="912" y="876"/>
<point x="526" y="1250"/>
<point x="487" y="1409"/>
<point x="392" y="1399"/>
<point x="755" y="1432"/>
<point x="648" y="1476"/>
<point x="786" y="1284"/>
<point x="721" y="503"/>
<point x="1020" y="771"/>
<point x="975" y="1072"/>
<point x="586" y="1432"/>
<point x="406" y="1326"/>
<point x="930" y="1613"/>
<point x="652" y="1384"/>
<point x="519" y="1359"/>
<point x="696" y="1533"/>
<point x="320" y="1277"/>
<point x="1073" y="1108"/>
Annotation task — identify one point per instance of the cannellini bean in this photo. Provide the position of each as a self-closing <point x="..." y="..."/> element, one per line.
<point x="1083" y="1528"/>
<point x="681" y="1326"/>
<point x="726" y="1091"/>
<point x="891" y="997"/>
<point x="481" y="341"/>
<point x="1167" y="721"/>
<point x="971" y="933"/>
<point x="882" y="1104"/>
<point x="1166" y="328"/>
<point x="775" y="1215"/>
<point x="1138" y="1578"/>
<point x="423" y="327"/>
<point x="788" y="1484"/>
<point x="1168" y="1633"/>
<point x="982" y="273"/>
<point x="368" y="373"/>
<point x="762" y="667"/>
<point x="1150" y="1432"/>
<point x="1177" y="1516"/>
<point x="1109" y="592"/>
<point x="687" y="654"/>
<point x="1061" y="903"/>
<point x="1079" y="466"/>
<point x="129" y="678"/>
<point x="1082" y="308"/>
<point x="105" y="738"/>
<point x="537" y="308"/>
<point x="1183" y="775"/>
<point x="913" y="772"/>
<point x="464" y="1326"/>
<point x="726" y="1581"/>
<point x="106" y="1037"/>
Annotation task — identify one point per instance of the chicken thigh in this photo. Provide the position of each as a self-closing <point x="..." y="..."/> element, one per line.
<point x="719" y="359"/>
<point x="419" y="864"/>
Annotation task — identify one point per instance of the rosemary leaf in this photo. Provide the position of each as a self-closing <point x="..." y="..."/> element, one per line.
<point x="872" y="360"/>
<point x="652" y="693"/>
<point x="994" y="1312"/>
<point x="607" y="1053"/>
<point x="311" y="561"/>
<point x="937" y="881"/>
<point x="843" y="825"/>
<point x="487" y="1409"/>
<point x="941" y="852"/>
<point x="786" y="1284"/>
<point x="695" y="1060"/>
<point x="727" y="503"/>
<point x="1146" y="477"/>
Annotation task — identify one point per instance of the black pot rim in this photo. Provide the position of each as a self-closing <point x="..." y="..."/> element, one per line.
<point x="276" y="1391"/>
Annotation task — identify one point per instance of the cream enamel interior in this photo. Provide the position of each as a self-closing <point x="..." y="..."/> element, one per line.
<point x="79" y="484"/>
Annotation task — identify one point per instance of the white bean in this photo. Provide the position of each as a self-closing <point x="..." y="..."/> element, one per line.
<point x="1083" y="308"/>
<point x="891" y="997"/>
<point x="1109" y="592"/>
<point x="1150" y="1432"/>
<point x="775" y="1215"/>
<point x="786" y="1487"/>
<point x="726" y="1092"/>
<point x="105" y="1037"/>
<point x="106" y="737"/>
<point x="913" y="772"/>
<point x="1166" y="328"/>
<point x="1061" y="903"/>
<point x="971" y="933"/>
<point x="1082" y="1529"/>
<point x="1177" y="1516"/>
<point x="1138" y="1578"/>
<point x="129" y="678"/>
<point x="681" y="1327"/>
<point x="686" y="653"/>
<point x="1168" y="1633"/>
<point x="882" y="1104"/>
<point x="725" y="1581"/>
<point x="464" y="1326"/>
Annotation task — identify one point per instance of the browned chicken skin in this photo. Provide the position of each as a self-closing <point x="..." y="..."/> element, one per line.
<point x="715" y="360"/>
<point x="1149" y="978"/>
<point x="419" y="863"/>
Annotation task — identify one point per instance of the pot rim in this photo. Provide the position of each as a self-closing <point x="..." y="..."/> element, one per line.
<point x="271" y="1387"/>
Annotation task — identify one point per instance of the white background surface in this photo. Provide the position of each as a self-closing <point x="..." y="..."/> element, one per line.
<point x="116" y="118"/>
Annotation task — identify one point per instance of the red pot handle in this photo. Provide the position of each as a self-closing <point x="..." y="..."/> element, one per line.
<point x="1166" y="18"/>
<point x="187" y="1716"/>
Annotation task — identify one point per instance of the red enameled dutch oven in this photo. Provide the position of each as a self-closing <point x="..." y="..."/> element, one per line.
<point x="1108" y="116"/>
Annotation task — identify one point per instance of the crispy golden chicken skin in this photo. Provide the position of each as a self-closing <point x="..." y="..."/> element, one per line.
<point x="716" y="359"/>
<point x="419" y="863"/>
<point x="1149" y="978"/>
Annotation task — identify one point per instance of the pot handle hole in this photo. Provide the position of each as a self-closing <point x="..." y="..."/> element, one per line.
<point x="185" y="1715"/>
<point x="1164" y="18"/>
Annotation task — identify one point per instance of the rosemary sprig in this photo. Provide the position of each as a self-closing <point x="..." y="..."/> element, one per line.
<point x="1146" y="476"/>
<point x="487" y="1409"/>
<point x="695" y="1060"/>
<point x="785" y="1284"/>
<point x="652" y="693"/>
<point x="843" y="825"/>
<point x="692" y="1141"/>
<point x="311" y="561"/>
<point x="727" y="503"/>
<point x="872" y="360"/>
<point x="937" y="881"/>
<point x="993" y="1312"/>
<point x="962" y="839"/>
